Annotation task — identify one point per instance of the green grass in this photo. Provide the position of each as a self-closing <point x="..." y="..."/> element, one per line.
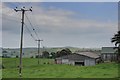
<point x="0" y="68"/>
<point x="32" y="70"/>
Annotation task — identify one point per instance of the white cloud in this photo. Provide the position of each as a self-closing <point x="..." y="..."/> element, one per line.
<point x="54" y="24"/>
<point x="56" y="19"/>
<point x="66" y="23"/>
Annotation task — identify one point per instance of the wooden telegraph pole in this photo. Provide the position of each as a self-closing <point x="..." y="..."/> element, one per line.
<point x="21" y="43"/>
<point x="39" y="49"/>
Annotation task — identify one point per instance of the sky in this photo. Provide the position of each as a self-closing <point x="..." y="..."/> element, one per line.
<point x="61" y="24"/>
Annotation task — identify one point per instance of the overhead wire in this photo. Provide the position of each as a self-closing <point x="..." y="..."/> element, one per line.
<point x="19" y="3"/>
<point x="14" y="19"/>
<point x="32" y="26"/>
<point x="37" y="26"/>
<point x="34" y="18"/>
<point x="29" y="32"/>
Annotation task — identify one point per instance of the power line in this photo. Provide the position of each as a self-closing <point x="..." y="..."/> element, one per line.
<point x="36" y="23"/>
<point x="30" y="32"/>
<point x="14" y="20"/>
<point x="32" y="27"/>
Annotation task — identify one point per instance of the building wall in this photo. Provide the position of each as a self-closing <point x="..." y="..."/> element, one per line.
<point x="89" y="62"/>
<point x="58" y="61"/>
<point x="6" y="55"/>
<point x="77" y="58"/>
<point x="71" y="62"/>
<point x="65" y="61"/>
<point x="108" y="57"/>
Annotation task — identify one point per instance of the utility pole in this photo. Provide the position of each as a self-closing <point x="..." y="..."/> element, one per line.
<point x="39" y="49"/>
<point x="21" y="43"/>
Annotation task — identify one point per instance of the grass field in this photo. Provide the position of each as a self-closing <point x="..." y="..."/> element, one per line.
<point x="32" y="70"/>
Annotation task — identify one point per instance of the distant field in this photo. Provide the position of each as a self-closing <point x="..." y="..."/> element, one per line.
<point x="32" y="70"/>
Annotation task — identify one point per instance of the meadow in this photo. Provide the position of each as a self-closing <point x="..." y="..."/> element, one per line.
<point x="47" y="69"/>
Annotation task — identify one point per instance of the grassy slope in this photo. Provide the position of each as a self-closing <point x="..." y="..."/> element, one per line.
<point x="32" y="70"/>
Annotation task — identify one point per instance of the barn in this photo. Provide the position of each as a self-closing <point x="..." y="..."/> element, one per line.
<point x="6" y="54"/>
<point x="108" y="54"/>
<point x="81" y="58"/>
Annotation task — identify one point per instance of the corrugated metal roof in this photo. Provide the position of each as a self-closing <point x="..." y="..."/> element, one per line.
<point x="108" y="50"/>
<point x="72" y="57"/>
<point x="89" y="54"/>
<point x="76" y="55"/>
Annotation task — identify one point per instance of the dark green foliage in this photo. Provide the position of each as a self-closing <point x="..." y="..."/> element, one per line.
<point x="4" y="51"/>
<point x="52" y="55"/>
<point x="63" y="52"/>
<point x="3" y="67"/>
<point x="116" y="41"/>
<point x="45" y="54"/>
<point x="31" y="57"/>
<point x="16" y="56"/>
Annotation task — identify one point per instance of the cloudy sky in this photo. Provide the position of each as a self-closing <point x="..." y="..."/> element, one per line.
<point x="60" y="24"/>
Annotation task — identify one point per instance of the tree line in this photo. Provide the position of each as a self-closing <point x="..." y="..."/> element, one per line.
<point x="63" y="52"/>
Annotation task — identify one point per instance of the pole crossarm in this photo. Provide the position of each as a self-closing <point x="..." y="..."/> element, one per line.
<point x="38" y="40"/>
<point x="23" y="9"/>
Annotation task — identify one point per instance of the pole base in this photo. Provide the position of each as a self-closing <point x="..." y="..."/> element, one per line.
<point x="20" y="75"/>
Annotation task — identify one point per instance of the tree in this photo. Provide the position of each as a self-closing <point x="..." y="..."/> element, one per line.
<point x="52" y="54"/>
<point x="57" y="54"/>
<point x="63" y="52"/>
<point x="17" y="56"/>
<point x="116" y="41"/>
<point x="4" y="51"/>
<point x="45" y="54"/>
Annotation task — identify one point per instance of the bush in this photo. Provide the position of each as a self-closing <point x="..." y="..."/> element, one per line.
<point x="63" y="52"/>
<point x="3" y="67"/>
<point x="16" y="56"/>
<point x="45" y="54"/>
<point x="31" y="57"/>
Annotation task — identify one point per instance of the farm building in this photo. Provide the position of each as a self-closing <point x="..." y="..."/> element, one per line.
<point x="81" y="58"/>
<point x="5" y="54"/>
<point x="108" y="54"/>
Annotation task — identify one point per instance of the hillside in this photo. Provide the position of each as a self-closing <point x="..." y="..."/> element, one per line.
<point x="28" y="52"/>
